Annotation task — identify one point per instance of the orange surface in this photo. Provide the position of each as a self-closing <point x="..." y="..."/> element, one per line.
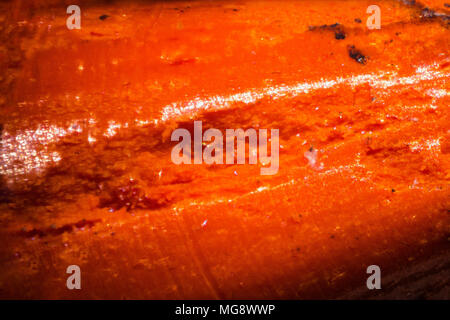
<point x="86" y="174"/>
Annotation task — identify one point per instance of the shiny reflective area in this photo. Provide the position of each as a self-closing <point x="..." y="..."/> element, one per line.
<point x="28" y="151"/>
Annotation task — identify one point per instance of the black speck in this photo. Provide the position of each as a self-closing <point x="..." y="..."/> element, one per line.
<point x="103" y="17"/>
<point x="358" y="20"/>
<point x="356" y="55"/>
<point x="339" y="35"/>
<point x="428" y="13"/>
<point x="235" y="10"/>
<point x="393" y="190"/>
<point x="447" y="5"/>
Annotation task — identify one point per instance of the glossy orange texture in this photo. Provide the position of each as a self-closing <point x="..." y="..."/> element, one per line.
<point x="86" y="174"/>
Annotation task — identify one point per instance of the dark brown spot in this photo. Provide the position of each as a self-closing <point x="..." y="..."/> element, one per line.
<point x="338" y="30"/>
<point x="356" y="55"/>
<point x="54" y="231"/>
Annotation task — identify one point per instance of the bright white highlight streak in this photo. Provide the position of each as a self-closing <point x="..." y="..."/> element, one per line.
<point x="28" y="150"/>
<point x="381" y="80"/>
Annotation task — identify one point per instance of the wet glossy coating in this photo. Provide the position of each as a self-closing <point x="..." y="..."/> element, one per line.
<point x="86" y="176"/>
